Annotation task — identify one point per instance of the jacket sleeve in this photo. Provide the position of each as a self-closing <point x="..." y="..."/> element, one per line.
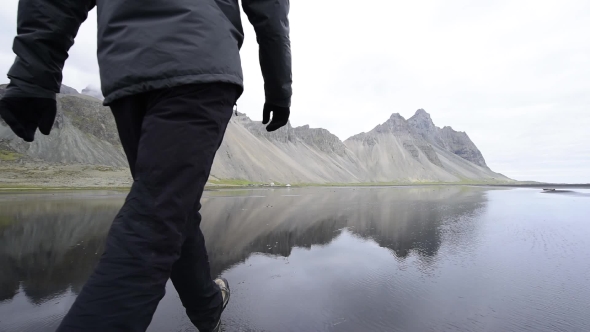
<point x="45" y="32"/>
<point x="270" y="21"/>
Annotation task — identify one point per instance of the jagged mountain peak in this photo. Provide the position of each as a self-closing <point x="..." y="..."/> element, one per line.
<point x="421" y="113"/>
<point x="421" y="131"/>
<point x="449" y="128"/>
<point x="446" y="138"/>
<point x="93" y="91"/>
<point x="396" y="124"/>
<point x="422" y="119"/>
<point x="66" y="90"/>
<point x="394" y="119"/>
<point x="319" y="138"/>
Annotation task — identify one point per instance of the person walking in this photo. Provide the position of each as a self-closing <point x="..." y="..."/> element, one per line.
<point x="171" y="73"/>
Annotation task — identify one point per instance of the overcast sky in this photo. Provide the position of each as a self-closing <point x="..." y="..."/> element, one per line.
<point x="514" y="75"/>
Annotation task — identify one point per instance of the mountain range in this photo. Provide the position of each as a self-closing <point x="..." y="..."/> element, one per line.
<point x="396" y="151"/>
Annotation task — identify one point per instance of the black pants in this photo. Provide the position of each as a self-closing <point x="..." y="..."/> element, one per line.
<point x="170" y="137"/>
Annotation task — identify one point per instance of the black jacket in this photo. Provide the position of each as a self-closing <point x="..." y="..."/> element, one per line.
<point x="151" y="44"/>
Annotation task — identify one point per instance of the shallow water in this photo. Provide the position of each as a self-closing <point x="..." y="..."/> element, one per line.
<point x="330" y="259"/>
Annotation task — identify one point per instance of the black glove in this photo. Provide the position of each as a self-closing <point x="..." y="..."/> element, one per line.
<point x="280" y="116"/>
<point x="25" y="115"/>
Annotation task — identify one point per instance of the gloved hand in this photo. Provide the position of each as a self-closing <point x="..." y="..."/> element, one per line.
<point x="25" y="115"/>
<point x="280" y="116"/>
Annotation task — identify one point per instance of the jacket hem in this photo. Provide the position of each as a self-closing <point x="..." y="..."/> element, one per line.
<point x="151" y="85"/>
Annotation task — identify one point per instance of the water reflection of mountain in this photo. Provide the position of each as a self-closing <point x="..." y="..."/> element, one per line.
<point x="403" y="220"/>
<point x="48" y="246"/>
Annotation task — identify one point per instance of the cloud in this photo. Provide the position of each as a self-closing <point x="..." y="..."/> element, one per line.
<point x="512" y="74"/>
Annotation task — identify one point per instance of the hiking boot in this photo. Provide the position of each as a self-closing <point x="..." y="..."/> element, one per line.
<point x="224" y="286"/>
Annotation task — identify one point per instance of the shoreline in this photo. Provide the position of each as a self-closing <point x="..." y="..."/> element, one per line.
<point x="40" y="176"/>
<point x="14" y="188"/>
